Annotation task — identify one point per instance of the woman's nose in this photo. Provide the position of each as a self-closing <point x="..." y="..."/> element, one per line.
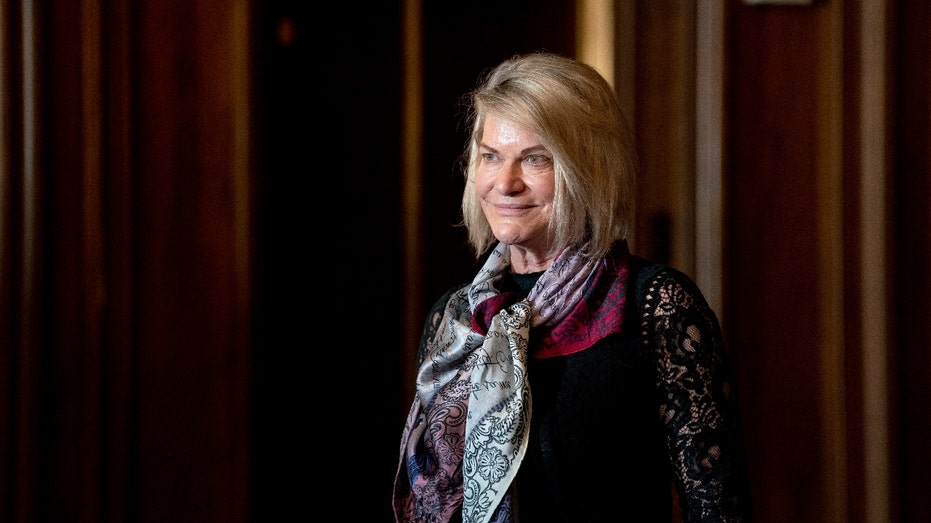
<point x="510" y="178"/>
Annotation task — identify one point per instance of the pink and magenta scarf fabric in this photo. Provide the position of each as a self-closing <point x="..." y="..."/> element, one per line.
<point x="467" y="429"/>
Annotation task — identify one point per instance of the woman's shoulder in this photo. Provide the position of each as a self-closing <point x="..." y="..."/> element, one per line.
<point x="435" y="317"/>
<point x="440" y="304"/>
<point x="656" y="282"/>
<point x="647" y="269"/>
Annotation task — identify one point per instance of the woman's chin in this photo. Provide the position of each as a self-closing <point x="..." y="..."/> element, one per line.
<point x="509" y="239"/>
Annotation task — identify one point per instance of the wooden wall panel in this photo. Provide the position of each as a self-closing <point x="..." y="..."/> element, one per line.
<point x="18" y="277"/>
<point x="73" y="301"/>
<point x="192" y="326"/>
<point x="664" y="124"/>
<point x="776" y="277"/>
<point x="126" y="261"/>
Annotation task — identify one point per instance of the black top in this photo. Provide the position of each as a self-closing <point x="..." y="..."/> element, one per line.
<point x="615" y="426"/>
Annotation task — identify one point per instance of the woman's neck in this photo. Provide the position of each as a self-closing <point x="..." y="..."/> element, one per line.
<point x="524" y="261"/>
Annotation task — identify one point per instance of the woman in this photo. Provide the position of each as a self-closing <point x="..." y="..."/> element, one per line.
<point x="570" y="380"/>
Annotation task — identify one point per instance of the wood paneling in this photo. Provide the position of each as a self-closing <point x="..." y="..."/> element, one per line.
<point x="127" y="261"/>
<point x="161" y="180"/>
<point x="191" y="329"/>
<point x="778" y="118"/>
<point x="664" y="123"/>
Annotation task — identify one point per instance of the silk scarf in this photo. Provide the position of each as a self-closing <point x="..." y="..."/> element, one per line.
<point x="468" y="426"/>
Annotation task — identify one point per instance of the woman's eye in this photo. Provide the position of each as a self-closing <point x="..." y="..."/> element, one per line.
<point x="537" y="160"/>
<point x="488" y="157"/>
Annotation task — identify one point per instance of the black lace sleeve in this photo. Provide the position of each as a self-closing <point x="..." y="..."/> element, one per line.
<point x="697" y="403"/>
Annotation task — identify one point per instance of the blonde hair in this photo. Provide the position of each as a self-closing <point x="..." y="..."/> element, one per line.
<point x="575" y="112"/>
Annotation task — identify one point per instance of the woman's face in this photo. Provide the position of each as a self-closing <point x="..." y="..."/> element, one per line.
<point x="515" y="181"/>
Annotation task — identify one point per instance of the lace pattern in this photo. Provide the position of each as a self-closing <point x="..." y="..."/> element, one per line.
<point x="698" y="407"/>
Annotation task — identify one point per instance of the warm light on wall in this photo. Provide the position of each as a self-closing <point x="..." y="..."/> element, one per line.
<point x="595" y="35"/>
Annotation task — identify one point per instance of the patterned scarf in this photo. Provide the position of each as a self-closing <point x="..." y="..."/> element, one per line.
<point x="467" y="429"/>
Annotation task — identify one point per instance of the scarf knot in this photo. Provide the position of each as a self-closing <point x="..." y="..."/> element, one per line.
<point x="486" y="311"/>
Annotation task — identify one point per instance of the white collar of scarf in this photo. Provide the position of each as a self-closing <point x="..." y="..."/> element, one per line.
<point x="473" y="403"/>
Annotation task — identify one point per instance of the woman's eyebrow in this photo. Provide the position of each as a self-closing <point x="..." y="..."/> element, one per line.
<point x="523" y="152"/>
<point x="534" y="149"/>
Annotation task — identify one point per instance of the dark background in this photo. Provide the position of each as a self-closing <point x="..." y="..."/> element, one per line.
<point x="329" y="267"/>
